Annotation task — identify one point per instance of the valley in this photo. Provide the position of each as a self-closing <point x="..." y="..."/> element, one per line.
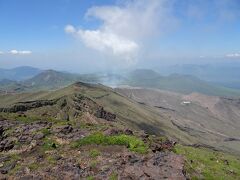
<point x="208" y="120"/>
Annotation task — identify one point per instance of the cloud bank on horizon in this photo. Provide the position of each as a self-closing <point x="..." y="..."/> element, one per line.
<point x="17" y="52"/>
<point x="124" y="27"/>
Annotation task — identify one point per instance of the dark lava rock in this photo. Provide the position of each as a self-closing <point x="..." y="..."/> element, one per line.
<point x="65" y="129"/>
<point x="133" y="159"/>
<point x="112" y="132"/>
<point x="101" y="113"/>
<point x="57" y="157"/>
<point x="39" y="136"/>
<point x="3" y="159"/>
<point x="25" y="138"/>
<point x="24" y="106"/>
<point x="1" y="131"/>
<point x="6" y="144"/>
<point x="128" y="132"/>
<point x="8" y="167"/>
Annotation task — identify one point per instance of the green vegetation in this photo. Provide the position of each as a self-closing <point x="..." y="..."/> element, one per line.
<point x="51" y="160"/>
<point x="94" y="153"/>
<point x="18" y="117"/>
<point x="90" y="178"/>
<point x="93" y="164"/>
<point x="113" y="176"/>
<point x="45" y="131"/>
<point x="93" y="127"/>
<point x="34" y="166"/>
<point x="131" y="142"/>
<point x="209" y="164"/>
<point x="49" y="144"/>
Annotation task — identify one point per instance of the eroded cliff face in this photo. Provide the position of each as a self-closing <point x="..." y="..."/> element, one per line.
<point x="64" y="108"/>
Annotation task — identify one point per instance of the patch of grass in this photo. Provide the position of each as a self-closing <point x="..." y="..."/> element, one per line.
<point x="8" y="132"/>
<point x="62" y="123"/>
<point x="93" y="164"/>
<point x="18" y="117"/>
<point x="131" y="142"/>
<point x="45" y="131"/>
<point x="94" y="153"/>
<point x="26" y="119"/>
<point x="33" y="166"/>
<point x="51" y="160"/>
<point x="15" y="157"/>
<point x="93" y="127"/>
<point x="113" y="176"/>
<point x="209" y="164"/>
<point x="49" y="144"/>
<point x="90" y="178"/>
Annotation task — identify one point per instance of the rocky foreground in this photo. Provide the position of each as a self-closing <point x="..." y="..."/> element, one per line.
<point x="32" y="148"/>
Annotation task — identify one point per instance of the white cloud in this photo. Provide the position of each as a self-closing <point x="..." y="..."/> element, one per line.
<point x="124" y="27"/>
<point x="108" y="42"/>
<point x="233" y="55"/>
<point x="1" y="52"/>
<point x="16" y="52"/>
<point x="70" y="29"/>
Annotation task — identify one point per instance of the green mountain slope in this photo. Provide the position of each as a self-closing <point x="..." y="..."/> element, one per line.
<point x="154" y="120"/>
<point x="134" y="114"/>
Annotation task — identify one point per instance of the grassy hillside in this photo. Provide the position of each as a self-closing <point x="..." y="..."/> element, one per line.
<point x="203" y="163"/>
<point x="134" y="114"/>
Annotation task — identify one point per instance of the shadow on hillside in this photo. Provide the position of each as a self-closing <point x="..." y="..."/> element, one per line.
<point x="151" y="129"/>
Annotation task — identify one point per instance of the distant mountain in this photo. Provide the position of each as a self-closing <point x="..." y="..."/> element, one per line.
<point x="144" y="74"/>
<point x="19" y="73"/>
<point x="185" y="84"/>
<point x="177" y="83"/>
<point x="226" y="74"/>
<point x="4" y="82"/>
<point x="51" y="79"/>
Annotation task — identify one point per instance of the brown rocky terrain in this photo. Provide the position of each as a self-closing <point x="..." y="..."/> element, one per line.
<point x="74" y="137"/>
<point x="40" y="149"/>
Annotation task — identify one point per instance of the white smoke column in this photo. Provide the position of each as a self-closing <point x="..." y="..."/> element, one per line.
<point x="124" y="27"/>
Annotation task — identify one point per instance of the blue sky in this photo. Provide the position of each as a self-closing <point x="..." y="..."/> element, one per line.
<point x="88" y="35"/>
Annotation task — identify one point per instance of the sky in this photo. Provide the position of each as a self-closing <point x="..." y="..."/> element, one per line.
<point x="92" y="35"/>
